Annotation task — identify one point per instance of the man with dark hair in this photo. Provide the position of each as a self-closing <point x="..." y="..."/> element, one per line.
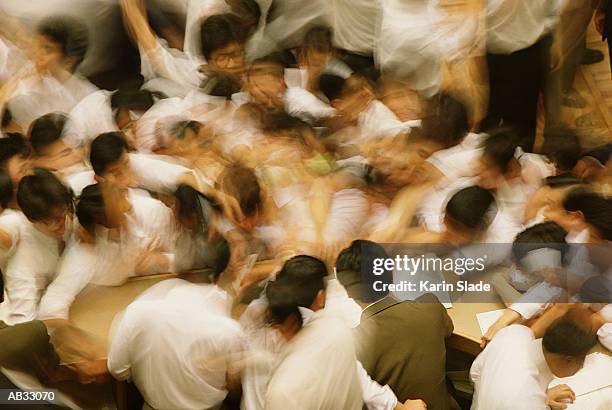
<point x="389" y="329"/>
<point x="14" y="157"/>
<point x="67" y="37"/>
<point x="47" y="210"/>
<point x="562" y="147"/>
<point x="223" y="37"/>
<point x="516" y="368"/>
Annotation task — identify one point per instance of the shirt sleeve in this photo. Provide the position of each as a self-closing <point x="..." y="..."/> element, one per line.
<point x="170" y="64"/>
<point x="536" y="300"/>
<point x="75" y="272"/>
<point x="157" y="175"/>
<point x="375" y="396"/>
<point x="119" y="364"/>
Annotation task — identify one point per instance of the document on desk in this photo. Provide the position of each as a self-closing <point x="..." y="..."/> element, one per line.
<point x="595" y="375"/>
<point x="486" y="319"/>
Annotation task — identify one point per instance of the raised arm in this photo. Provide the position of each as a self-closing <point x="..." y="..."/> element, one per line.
<point x="136" y="24"/>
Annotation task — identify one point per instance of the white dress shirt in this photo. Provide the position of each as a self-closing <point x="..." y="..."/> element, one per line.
<point x="511" y="373"/>
<point x="27" y="271"/>
<point x="109" y="262"/>
<point x="176" y="343"/>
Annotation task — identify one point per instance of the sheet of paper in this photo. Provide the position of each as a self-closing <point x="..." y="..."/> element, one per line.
<point x="596" y="374"/>
<point x="486" y="319"/>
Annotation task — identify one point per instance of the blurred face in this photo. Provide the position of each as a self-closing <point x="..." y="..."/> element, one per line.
<point x="57" y="156"/>
<point x="266" y="87"/>
<point x="56" y="224"/>
<point x="48" y="55"/>
<point x="356" y="96"/>
<point x="119" y="173"/>
<point x="229" y="58"/>
<point x="18" y="166"/>
<point x="401" y="100"/>
<point x="116" y="206"/>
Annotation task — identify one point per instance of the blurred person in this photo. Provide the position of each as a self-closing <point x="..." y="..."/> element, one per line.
<point x="15" y="157"/>
<point x="121" y="234"/>
<point x="38" y="244"/>
<point x="516" y="368"/>
<point x="385" y="336"/>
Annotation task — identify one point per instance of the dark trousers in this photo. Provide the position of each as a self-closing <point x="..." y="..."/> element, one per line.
<point x="515" y="83"/>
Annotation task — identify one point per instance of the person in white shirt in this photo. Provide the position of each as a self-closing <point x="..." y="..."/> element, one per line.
<point x="122" y="233"/>
<point x="47" y="205"/>
<point x="514" y="370"/>
<point x="178" y="344"/>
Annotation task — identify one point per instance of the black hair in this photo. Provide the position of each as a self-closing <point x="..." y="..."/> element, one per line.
<point x="7" y="117"/>
<point x="500" y="147"/>
<point x="6" y="188"/>
<point x="70" y="33"/>
<point x="565" y="337"/>
<point x="596" y="209"/>
<point x="447" y="120"/>
<point x="241" y="182"/>
<point x="297" y="284"/>
<point x="40" y="193"/>
<point x="355" y="270"/>
<point x="13" y="144"/>
<point x="46" y="130"/>
<point x="90" y="208"/>
<point x="190" y="203"/>
<point x="222" y="252"/>
<point x="562" y="147"/>
<point x="469" y="206"/>
<point x="221" y="84"/>
<point x="220" y="30"/>
<point x="562" y="180"/>
<point x="106" y="149"/>
<point x="542" y="235"/>
<point x="132" y="99"/>
<point x="331" y="86"/>
<point x="601" y="153"/>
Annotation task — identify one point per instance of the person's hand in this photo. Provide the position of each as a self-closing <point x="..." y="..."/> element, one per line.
<point x="490" y="333"/>
<point x="413" y="405"/>
<point x="557" y="397"/>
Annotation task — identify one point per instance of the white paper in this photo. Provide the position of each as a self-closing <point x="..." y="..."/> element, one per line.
<point x="486" y="319"/>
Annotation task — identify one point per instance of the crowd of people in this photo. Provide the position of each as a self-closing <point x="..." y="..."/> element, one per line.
<point x="275" y="145"/>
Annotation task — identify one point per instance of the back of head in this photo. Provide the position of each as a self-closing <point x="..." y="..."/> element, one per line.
<point x="14" y="144"/>
<point x="446" y="121"/>
<point x="106" y="149"/>
<point x="220" y="84"/>
<point x="133" y="99"/>
<point x="40" y="193"/>
<point x="359" y="266"/>
<point x="318" y="39"/>
<point x="500" y="146"/>
<point x="219" y="31"/>
<point x="90" y="208"/>
<point x="46" y="130"/>
<point x="471" y="207"/>
<point x="543" y="235"/>
<point x="565" y="337"/>
<point x="562" y="147"/>
<point x="241" y="182"/>
<point x="596" y="210"/>
<point x="296" y="285"/>
<point x="331" y="86"/>
<point x="271" y="64"/>
<point x="71" y="35"/>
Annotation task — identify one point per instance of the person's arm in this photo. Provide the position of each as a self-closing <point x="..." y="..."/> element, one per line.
<point x="552" y="314"/>
<point x="375" y="396"/>
<point x="508" y="318"/>
<point x="119" y="362"/>
<point x="137" y="26"/>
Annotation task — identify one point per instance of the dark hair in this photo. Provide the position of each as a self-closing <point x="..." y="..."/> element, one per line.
<point x="190" y="205"/>
<point x="597" y="289"/>
<point x="40" y="193"/>
<point x="242" y="184"/>
<point x="562" y="147"/>
<point x="596" y="209"/>
<point x="71" y="34"/>
<point x="469" y="206"/>
<point x="565" y="337"/>
<point x="562" y="180"/>
<point x="297" y="284"/>
<point x="90" y="208"/>
<point x="46" y="129"/>
<point x="222" y="254"/>
<point x="500" y="146"/>
<point x="180" y="128"/>
<point x="543" y="235"/>
<point x="220" y="30"/>
<point x="6" y="188"/>
<point x="106" y="149"/>
<point x="355" y="270"/>
<point x="447" y="120"/>
<point x="220" y="84"/>
<point x="273" y="63"/>
<point x="331" y="86"/>
<point x="7" y="117"/>
<point x="13" y="144"/>
<point x="132" y="99"/>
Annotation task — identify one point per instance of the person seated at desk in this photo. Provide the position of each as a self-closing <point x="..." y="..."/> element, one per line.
<point x="515" y="369"/>
<point x="177" y="343"/>
<point x="122" y="233"/>
<point x="37" y="242"/>
<point x="400" y="343"/>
